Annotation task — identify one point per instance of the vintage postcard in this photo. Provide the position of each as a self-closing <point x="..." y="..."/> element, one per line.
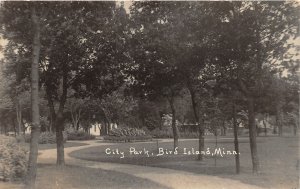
<point x="149" y="94"/>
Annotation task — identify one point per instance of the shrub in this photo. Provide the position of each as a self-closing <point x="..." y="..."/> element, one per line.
<point x="127" y="134"/>
<point x="13" y="159"/>
<point x="46" y="138"/>
<point x="126" y="131"/>
<point x="72" y="134"/>
<point x="128" y="138"/>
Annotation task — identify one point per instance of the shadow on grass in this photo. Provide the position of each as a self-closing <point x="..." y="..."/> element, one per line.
<point x="51" y="177"/>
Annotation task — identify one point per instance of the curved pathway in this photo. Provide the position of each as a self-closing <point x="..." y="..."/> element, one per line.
<point x="166" y="177"/>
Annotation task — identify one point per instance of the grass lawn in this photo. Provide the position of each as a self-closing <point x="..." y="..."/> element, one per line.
<point x="73" y="177"/>
<point x="278" y="159"/>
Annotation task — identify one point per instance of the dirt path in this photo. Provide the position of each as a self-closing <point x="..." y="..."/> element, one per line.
<point x="166" y="177"/>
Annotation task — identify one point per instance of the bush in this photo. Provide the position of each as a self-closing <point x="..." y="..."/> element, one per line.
<point x="13" y="159"/>
<point x="46" y="138"/>
<point x="128" y="138"/>
<point x="126" y="131"/>
<point x="72" y="134"/>
<point x="127" y="134"/>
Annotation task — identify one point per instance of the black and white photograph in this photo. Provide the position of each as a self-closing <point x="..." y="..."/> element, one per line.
<point x="149" y="94"/>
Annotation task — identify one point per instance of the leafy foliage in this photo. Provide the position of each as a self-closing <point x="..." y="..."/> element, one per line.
<point x="127" y="134"/>
<point x="46" y="138"/>
<point x="126" y="131"/>
<point x="73" y="134"/>
<point x="13" y="159"/>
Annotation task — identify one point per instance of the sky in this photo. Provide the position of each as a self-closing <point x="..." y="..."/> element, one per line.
<point x="127" y="5"/>
<point x="2" y="44"/>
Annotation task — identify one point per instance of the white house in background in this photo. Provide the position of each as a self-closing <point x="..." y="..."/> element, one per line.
<point x="96" y="128"/>
<point x="27" y="128"/>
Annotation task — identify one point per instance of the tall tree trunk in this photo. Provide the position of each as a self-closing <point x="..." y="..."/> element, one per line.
<point x="279" y="118"/>
<point x="107" y="121"/>
<point x="19" y="115"/>
<point x="51" y="106"/>
<point x="265" y="127"/>
<point x="252" y="135"/>
<point x="57" y="118"/>
<point x="199" y="125"/>
<point x="75" y="116"/>
<point x="201" y="139"/>
<point x="223" y="127"/>
<point x="174" y="126"/>
<point x="77" y="125"/>
<point x="14" y="125"/>
<point x="50" y="123"/>
<point x="5" y="128"/>
<point x="295" y="129"/>
<point x="236" y="141"/>
<point x="60" y="160"/>
<point x="24" y="127"/>
<point x="107" y="127"/>
<point x="99" y="127"/>
<point x="274" y="129"/>
<point x="35" y="128"/>
<point x="103" y="128"/>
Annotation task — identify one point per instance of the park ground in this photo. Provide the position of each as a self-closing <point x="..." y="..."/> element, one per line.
<point x="90" y="167"/>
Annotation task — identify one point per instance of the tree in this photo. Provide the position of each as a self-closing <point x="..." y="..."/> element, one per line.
<point x="117" y="108"/>
<point x="35" y="128"/>
<point x="64" y="50"/>
<point x="71" y="53"/>
<point x="15" y="62"/>
<point x="201" y="21"/>
<point x="14" y="16"/>
<point x="6" y="103"/>
<point x="75" y="106"/>
<point x="201" y="94"/>
<point x="102" y="72"/>
<point x="149" y="113"/>
<point x="158" y="51"/>
<point x="255" y="37"/>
